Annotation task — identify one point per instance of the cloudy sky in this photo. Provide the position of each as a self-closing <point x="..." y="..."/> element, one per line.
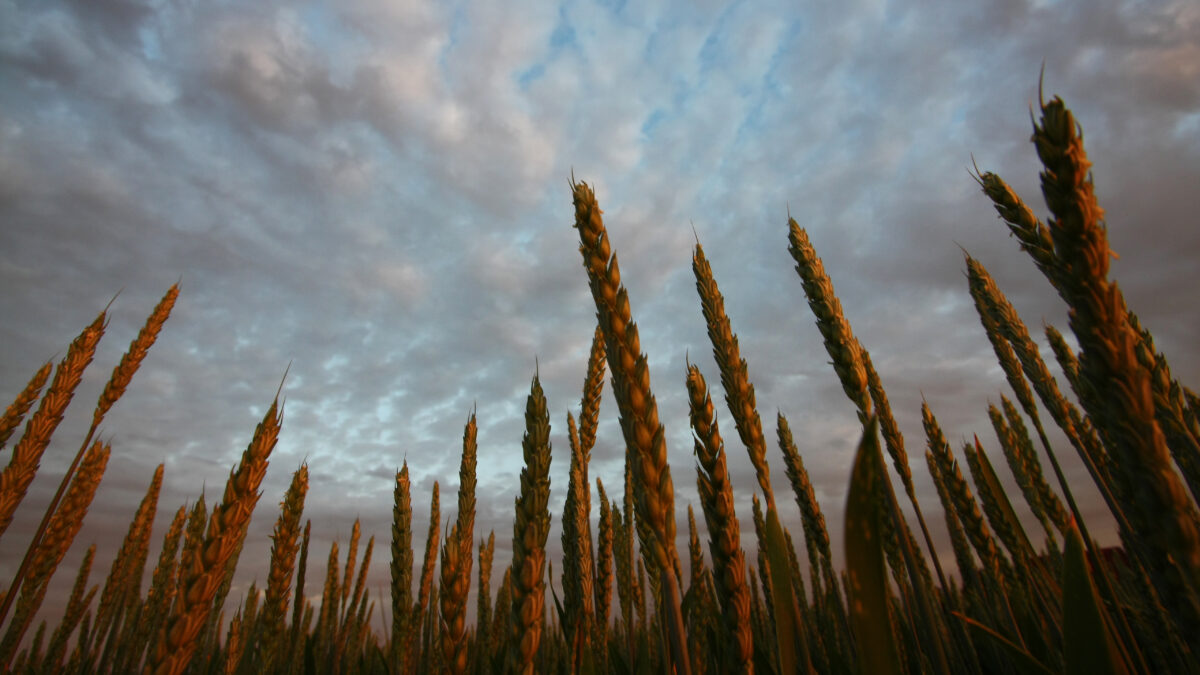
<point x="376" y="192"/>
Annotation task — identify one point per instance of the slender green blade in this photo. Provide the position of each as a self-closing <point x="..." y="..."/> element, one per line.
<point x="864" y="560"/>
<point x="793" y="652"/>
<point x="1026" y="663"/>
<point x="1089" y="644"/>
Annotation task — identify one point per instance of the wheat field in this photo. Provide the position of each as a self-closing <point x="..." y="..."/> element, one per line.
<point x="1017" y="600"/>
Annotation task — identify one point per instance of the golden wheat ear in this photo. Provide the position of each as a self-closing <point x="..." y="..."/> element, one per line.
<point x="638" y="412"/>
<point x="724" y="545"/>
<point x="401" y="568"/>
<point x="530" y="529"/>
<point x="735" y="377"/>
<point x="27" y="454"/>
<point x="203" y="571"/>
<point x="284" y="546"/>
<point x="456" y="560"/>
<point x="20" y="406"/>
<point x="60" y="533"/>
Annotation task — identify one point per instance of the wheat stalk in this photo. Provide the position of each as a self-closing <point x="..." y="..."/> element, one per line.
<point x="1019" y="464"/>
<point x="593" y="387"/>
<point x="60" y="533"/>
<point x="326" y="628"/>
<point x="78" y="602"/>
<point x="1182" y="432"/>
<point x="1164" y="519"/>
<point x="20" y="406"/>
<point x="483" y="611"/>
<point x="466" y="491"/>
<point x="1034" y="237"/>
<point x="623" y="567"/>
<point x="126" y="621"/>
<point x="193" y="539"/>
<point x="51" y="411"/>
<point x="996" y="505"/>
<point x="203" y="571"/>
<point x="425" y="591"/>
<point x="764" y="570"/>
<point x="843" y="348"/>
<point x="735" y="378"/>
<point x="655" y="499"/>
<point x="1029" y="460"/>
<point x="121" y="591"/>
<point x="284" y="547"/>
<point x="455" y="583"/>
<point x="530" y="529"/>
<point x="604" y="572"/>
<point x="16" y="477"/>
<point x="700" y="608"/>
<point x="577" y="552"/>
<point x="343" y="605"/>
<point x="958" y="537"/>
<point x="816" y="536"/>
<point x="401" y="567"/>
<point x="158" y="601"/>
<point x="497" y="637"/>
<point x="122" y="375"/>
<point x="456" y="560"/>
<point x="299" y="611"/>
<point x="894" y="442"/>
<point x="716" y="501"/>
<point x="350" y="629"/>
<point x="965" y="506"/>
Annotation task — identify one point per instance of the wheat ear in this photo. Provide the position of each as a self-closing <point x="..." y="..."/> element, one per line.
<point x="284" y="546"/>
<point x="724" y="532"/>
<point x="483" y="605"/>
<point x="202" y="572"/>
<point x="816" y="536"/>
<point x="530" y="529"/>
<point x="1181" y="431"/>
<point x="121" y="591"/>
<point x="20" y="406"/>
<point x="158" y="600"/>
<point x="326" y="629"/>
<point x="1034" y="237"/>
<point x="577" y="552"/>
<point x="466" y="491"/>
<point x="965" y="506"/>
<point x="344" y="607"/>
<point x="425" y="591"/>
<point x="79" y="601"/>
<point x="60" y="533"/>
<point x="456" y="561"/>
<point x="401" y="566"/>
<point x="352" y="624"/>
<point x="735" y="377"/>
<point x="27" y="453"/>
<point x="299" y="611"/>
<point x="113" y="390"/>
<point x="655" y="502"/>
<point x="122" y="375"/>
<point x="1116" y="391"/>
<point x="701" y="610"/>
<point x="603" y="569"/>
<point x="843" y="348"/>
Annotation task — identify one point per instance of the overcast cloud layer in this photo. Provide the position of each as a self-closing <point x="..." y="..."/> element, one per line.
<point x="376" y="192"/>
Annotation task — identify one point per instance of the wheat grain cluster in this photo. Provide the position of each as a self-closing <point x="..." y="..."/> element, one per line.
<point x="1020" y="601"/>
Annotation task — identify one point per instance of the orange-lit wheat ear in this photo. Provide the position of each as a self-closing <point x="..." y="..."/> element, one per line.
<point x="638" y="411"/>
